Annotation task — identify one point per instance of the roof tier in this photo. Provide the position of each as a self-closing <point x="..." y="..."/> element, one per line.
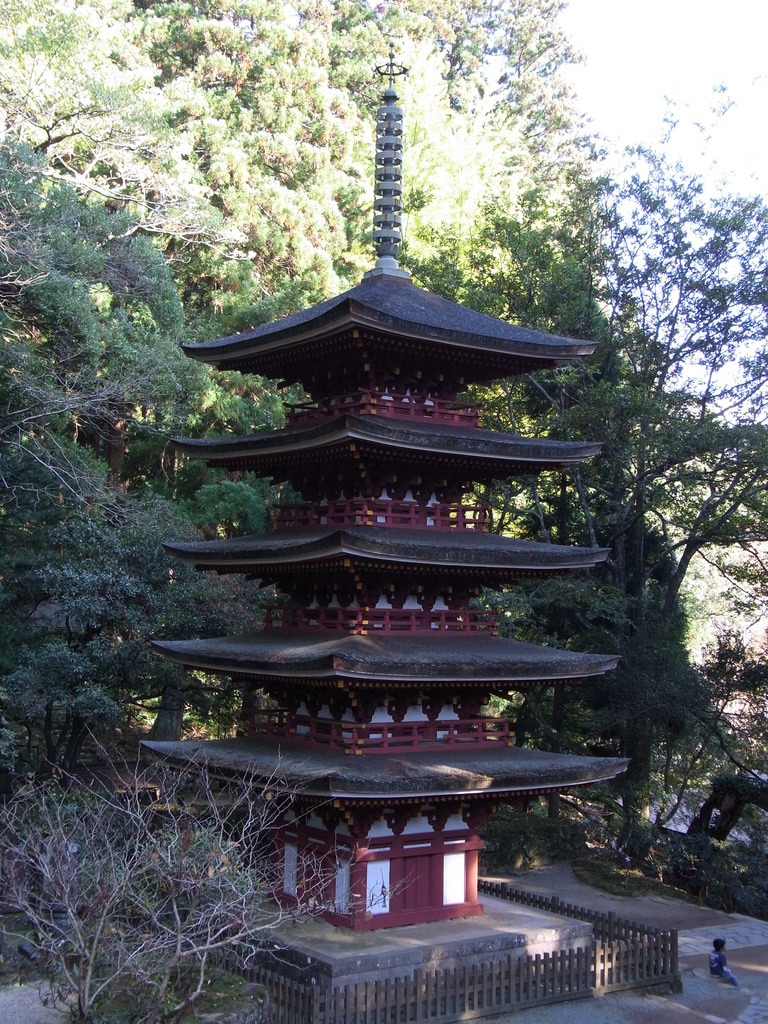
<point x="504" y="772"/>
<point x="382" y="323"/>
<point x="282" y="553"/>
<point x="340" y="445"/>
<point x="387" y="661"/>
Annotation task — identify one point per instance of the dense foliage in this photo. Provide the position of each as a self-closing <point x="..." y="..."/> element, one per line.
<point x="172" y="171"/>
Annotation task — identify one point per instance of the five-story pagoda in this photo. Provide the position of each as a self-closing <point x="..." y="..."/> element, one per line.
<point x="379" y="664"/>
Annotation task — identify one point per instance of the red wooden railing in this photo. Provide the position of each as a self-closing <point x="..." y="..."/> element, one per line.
<point x="384" y="620"/>
<point x="379" y="737"/>
<point x="399" y="406"/>
<point x="381" y="511"/>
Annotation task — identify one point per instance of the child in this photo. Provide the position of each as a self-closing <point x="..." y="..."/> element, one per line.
<point x="718" y="965"/>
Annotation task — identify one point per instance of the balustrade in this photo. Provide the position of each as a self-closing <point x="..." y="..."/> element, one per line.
<point x="379" y="737"/>
<point x="384" y="620"/>
<point x="382" y="511"/>
<point x="391" y="404"/>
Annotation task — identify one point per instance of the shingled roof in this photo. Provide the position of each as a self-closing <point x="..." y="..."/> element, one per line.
<point x="282" y="551"/>
<point x="494" y="662"/>
<point x="396" y="306"/>
<point x="491" y="771"/>
<point x="410" y="441"/>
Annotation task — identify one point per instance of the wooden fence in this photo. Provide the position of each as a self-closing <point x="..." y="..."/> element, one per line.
<point x="460" y="993"/>
<point x="627" y="954"/>
<point x="605" y="926"/>
<point x="624" y="955"/>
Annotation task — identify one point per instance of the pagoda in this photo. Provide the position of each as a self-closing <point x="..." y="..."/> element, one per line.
<point x="381" y="663"/>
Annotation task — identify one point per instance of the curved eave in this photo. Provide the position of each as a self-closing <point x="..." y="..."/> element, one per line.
<point x="287" y="551"/>
<point x="504" y="773"/>
<point x="397" y="308"/>
<point x="360" y="435"/>
<point x="494" y="662"/>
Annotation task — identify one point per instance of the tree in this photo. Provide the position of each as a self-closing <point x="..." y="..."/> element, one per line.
<point x="90" y="322"/>
<point x="536" y="102"/>
<point x="88" y="667"/>
<point x="721" y="811"/>
<point x="78" y="88"/>
<point x="677" y="393"/>
<point x="138" y="902"/>
<point x="670" y="283"/>
<point x="730" y="748"/>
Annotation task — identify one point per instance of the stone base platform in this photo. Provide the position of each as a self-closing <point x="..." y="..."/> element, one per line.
<point x="316" y="953"/>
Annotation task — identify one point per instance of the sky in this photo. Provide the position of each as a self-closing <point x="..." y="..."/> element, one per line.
<point x="639" y="53"/>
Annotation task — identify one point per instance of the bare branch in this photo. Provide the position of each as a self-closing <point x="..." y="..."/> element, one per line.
<point x="154" y="878"/>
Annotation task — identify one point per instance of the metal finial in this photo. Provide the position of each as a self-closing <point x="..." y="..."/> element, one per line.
<point x="391" y="70"/>
<point x="388" y="190"/>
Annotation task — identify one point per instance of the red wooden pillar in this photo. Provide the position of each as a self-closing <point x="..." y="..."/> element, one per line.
<point x="470" y="876"/>
<point x="437" y="877"/>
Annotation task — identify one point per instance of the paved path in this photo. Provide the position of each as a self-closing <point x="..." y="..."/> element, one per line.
<point x="742" y="932"/>
<point x="702" y="999"/>
<point x="748" y="955"/>
<point x="21" y="1004"/>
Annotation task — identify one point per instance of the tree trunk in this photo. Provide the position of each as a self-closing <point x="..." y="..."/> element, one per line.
<point x="77" y="736"/>
<point x="116" y="446"/>
<point x="558" y="719"/>
<point x="728" y="798"/>
<point x="170" y="715"/>
<point x="638" y="747"/>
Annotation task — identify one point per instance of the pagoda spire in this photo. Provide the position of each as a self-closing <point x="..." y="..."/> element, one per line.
<point x="388" y="190"/>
